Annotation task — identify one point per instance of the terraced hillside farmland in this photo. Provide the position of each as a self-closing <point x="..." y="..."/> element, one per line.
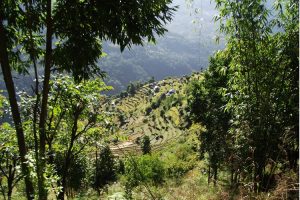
<point x="157" y="110"/>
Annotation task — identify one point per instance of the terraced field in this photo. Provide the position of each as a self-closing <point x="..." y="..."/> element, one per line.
<point x="163" y="123"/>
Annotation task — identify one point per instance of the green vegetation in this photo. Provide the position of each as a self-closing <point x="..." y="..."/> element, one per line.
<point x="9" y="161"/>
<point x="207" y="107"/>
<point x="78" y="32"/>
<point x="142" y="170"/>
<point x="146" y="148"/>
<point x="246" y="94"/>
<point x="234" y="125"/>
<point x="105" y="171"/>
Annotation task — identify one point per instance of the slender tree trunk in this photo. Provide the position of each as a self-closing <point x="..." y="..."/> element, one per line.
<point x="35" y="112"/>
<point x="10" y="180"/>
<point x="215" y="175"/>
<point x="6" y="70"/>
<point x="235" y="179"/>
<point x="9" y="190"/>
<point x="29" y="9"/>
<point x="208" y="178"/>
<point x="231" y="178"/>
<point x="61" y="195"/>
<point x="9" y="194"/>
<point x="43" y="115"/>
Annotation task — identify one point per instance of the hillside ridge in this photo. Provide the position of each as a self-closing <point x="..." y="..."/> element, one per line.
<point x="158" y="110"/>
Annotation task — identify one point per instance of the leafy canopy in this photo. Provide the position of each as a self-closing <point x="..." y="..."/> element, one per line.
<point x="78" y="27"/>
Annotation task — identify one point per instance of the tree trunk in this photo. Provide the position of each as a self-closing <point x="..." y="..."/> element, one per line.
<point x="43" y="116"/>
<point x="9" y="190"/>
<point x="215" y="175"/>
<point x="235" y="180"/>
<point x="14" y="109"/>
<point x="208" y="178"/>
<point x="61" y="195"/>
<point x="231" y="178"/>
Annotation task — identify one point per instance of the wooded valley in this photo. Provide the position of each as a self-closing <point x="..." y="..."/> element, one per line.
<point x="227" y="131"/>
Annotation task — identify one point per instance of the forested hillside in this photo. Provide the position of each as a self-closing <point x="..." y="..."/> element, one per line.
<point x="186" y="47"/>
<point x="225" y="126"/>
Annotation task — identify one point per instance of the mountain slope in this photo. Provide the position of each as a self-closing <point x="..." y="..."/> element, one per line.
<point x="157" y="110"/>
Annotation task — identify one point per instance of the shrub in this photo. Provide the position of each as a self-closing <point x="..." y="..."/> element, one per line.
<point x="105" y="169"/>
<point x="146" y="145"/>
<point x="123" y="94"/>
<point x="121" y="118"/>
<point x="121" y="167"/>
<point x="143" y="169"/>
<point x="77" y="171"/>
<point x="148" y="110"/>
<point x="180" y="159"/>
<point x="145" y="120"/>
<point x="162" y="113"/>
<point x="154" y="105"/>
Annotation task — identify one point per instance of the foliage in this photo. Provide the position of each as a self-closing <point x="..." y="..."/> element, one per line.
<point x="121" y="167"/>
<point x="77" y="173"/>
<point x="143" y="170"/>
<point x="171" y="101"/>
<point x="9" y="161"/>
<point x="123" y="94"/>
<point x="146" y="145"/>
<point x="2" y="105"/>
<point x="148" y="110"/>
<point x="66" y="40"/>
<point x="254" y="80"/>
<point x="179" y="158"/>
<point x="261" y="60"/>
<point x="105" y="169"/>
<point x="207" y="105"/>
<point x="116" y="27"/>
<point x="131" y="89"/>
<point x="74" y="115"/>
<point x="151" y="80"/>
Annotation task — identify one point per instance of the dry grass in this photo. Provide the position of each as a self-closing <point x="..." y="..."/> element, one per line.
<point x="287" y="187"/>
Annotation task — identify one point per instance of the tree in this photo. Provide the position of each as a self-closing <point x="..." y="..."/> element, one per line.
<point x="206" y="105"/>
<point x="146" y="145"/>
<point x="131" y="89"/>
<point x="261" y="81"/>
<point x="78" y="28"/>
<point x="123" y="94"/>
<point x="74" y="117"/>
<point x="77" y="173"/>
<point x="105" y="169"/>
<point x="151" y="80"/>
<point x="262" y="85"/>
<point x="9" y="161"/>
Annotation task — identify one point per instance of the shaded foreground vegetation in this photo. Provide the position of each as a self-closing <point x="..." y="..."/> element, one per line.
<point x="248" y="99"/>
